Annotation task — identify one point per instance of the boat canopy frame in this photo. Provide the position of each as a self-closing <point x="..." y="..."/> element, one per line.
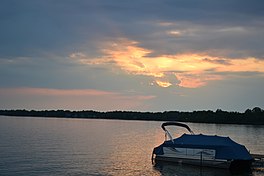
<point x="167" y="133"/>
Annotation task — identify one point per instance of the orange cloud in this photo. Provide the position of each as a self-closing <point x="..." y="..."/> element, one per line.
<point x="194" y="80"/>
<point x="190" y="69"/>
<point x="174" y="33"/>
<point x="163" y="83"/>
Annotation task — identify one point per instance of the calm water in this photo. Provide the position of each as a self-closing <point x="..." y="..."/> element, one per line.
<point x="50" y="146"/>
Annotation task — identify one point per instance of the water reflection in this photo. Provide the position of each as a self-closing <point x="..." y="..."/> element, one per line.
<point x="172" y="169"/>
<point x="48" y="146"/>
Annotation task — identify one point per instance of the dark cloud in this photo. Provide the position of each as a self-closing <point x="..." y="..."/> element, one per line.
<point x="33" y="27"/>
<point x="217" y="61"/>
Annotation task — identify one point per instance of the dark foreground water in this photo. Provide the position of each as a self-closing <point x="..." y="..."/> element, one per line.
<point x="50" y="146"/>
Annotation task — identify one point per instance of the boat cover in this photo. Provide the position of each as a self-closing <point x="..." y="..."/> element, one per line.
<point x="225" y="147"/>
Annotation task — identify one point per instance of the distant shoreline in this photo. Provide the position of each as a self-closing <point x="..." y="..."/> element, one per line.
<point x="253" y="116"/>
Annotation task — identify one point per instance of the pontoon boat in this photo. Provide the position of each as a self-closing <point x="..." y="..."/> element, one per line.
<point x="202" y="150"/>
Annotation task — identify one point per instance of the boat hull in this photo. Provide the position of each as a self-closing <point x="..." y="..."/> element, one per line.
<point x="234" y="165"/>
<point x="196" y="162"/>
<point x="200" y="157"/>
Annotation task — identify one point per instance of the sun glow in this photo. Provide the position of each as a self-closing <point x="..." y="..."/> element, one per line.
<point x="163" y="84"/>
<point x="191" y="70"/>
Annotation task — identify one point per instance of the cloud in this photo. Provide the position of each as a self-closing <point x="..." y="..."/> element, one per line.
<point x="56" y="92"/>
<point x="163" y="83"/>
<point x="34" y="28"/>
<point x="190" y="69"/>
<point x="174" y="33"/>
<point x="71" y="99"/>
<point x="197" y="79"/>
<point x="153" y="47"/>
<point x="217" y="61"/>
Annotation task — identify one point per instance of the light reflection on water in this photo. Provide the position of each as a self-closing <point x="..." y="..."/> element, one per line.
<point x="49" y="146"/>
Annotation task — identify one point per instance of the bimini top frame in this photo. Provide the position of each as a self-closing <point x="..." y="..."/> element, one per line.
<point x="174" y="124"/>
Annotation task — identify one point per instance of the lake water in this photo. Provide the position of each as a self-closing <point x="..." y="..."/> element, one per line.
<point x="57" y="146"/>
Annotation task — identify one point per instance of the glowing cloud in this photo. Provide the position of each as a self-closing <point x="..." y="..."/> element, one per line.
<point x="174" y="33"/>
<point x="195" y="79"/>
<point x="192" y="70"/>
<point x="163" y="84"/>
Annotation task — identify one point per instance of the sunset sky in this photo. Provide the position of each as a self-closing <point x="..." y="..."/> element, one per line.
<point x="146" y="55"/>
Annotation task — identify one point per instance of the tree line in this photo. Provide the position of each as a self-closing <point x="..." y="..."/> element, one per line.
<point x="253" y="116"/>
